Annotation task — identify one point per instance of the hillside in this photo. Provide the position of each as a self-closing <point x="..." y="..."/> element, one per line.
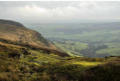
<point x="18" y="63"/>
<point x="12" y="32"/>
<point x="16" y="32"/>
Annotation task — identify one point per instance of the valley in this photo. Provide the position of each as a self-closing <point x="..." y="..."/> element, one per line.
<point x="83" y="39"/>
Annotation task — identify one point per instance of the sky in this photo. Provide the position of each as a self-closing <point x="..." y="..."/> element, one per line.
<point x="60" y="11"/>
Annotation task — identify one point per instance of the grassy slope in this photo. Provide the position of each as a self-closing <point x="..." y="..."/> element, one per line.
<point x="21" y="64"/>
<point x="18" y="33"/>
<point x="72" y="48"/>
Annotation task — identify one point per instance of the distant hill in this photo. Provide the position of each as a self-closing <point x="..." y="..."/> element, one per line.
<point x="15" y="33"/>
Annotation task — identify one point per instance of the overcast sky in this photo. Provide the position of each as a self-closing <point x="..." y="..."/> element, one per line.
<point x="54" y="12"/>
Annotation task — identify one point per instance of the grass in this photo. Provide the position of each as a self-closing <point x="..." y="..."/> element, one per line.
<point x="39" y="66"/>
<point x="37" y="57"/>
<point x="71" y="47"/>
<point x="87" y="64"/>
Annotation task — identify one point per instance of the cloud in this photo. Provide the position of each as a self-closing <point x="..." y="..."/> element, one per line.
<point x="49" y="12"/>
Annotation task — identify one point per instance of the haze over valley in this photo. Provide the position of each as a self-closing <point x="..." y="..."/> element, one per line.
<point x="84" y="39"/>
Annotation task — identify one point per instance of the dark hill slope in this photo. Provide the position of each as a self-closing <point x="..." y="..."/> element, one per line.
<point x="15" y="33"/>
